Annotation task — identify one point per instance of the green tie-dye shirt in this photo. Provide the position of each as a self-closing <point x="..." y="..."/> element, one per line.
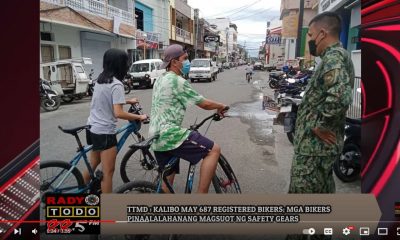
<point x="171" y="95"/>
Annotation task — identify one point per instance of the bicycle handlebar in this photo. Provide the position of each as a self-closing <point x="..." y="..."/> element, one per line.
<point x="215" y="117"/>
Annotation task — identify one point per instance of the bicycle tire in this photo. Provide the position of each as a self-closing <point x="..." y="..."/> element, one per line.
<point x="44" y="189"/>
<point x="139" y="171"/>
<point x="225" y="180"/>
<point x="141" y="187"/>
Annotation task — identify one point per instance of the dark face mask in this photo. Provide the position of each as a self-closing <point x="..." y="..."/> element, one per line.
<point x="313" y="46"/>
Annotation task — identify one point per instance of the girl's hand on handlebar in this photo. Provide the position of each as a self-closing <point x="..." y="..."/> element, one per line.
<point x="132" y="101"/>
<point x="143" y="117"/>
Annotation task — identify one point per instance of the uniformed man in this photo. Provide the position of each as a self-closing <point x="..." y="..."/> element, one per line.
<point x="321" y="116"/>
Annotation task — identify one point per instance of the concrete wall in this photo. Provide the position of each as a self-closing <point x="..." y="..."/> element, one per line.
<point x="121" y="4"/>
<point x="63" y="36"/>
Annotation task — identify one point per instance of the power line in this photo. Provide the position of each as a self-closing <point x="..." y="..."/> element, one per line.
<point x="219" y="14"/>
<point x="253" y="12"/>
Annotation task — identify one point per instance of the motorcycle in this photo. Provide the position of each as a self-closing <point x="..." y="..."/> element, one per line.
<point x="289" y="107"/>
<point x="348" y="166"/>
<point x="249" y="77"/>
<point x="49" y="99"/>
<point x="127" y="83"/>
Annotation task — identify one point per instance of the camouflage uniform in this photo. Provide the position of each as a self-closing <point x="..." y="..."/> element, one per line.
<point x="325" y="103"/>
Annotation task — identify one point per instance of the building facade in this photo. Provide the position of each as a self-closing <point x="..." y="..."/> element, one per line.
<point x="182" y="25"/>
<point x="228" y="37"/>
<point x="152" y="35"/>
<point x="290" y="18"/>
<point x="85" y="28"/>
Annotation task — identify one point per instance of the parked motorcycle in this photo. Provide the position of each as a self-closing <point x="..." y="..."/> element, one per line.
<point x="127" y="83"/>
<point x="288" y="111"/>
<point x="348" y="166"/>
<point x="49" y="99"/>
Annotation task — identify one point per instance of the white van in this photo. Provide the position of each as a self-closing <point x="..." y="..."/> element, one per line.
<point x="203" y="68"/>
<point x="145" y="72"/>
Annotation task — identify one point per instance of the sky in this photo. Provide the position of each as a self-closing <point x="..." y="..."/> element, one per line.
<point x="250" y="17"/>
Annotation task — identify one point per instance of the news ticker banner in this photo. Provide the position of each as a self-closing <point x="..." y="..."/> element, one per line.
<point x="236" y="214"/>
<point x="72" y="213"/>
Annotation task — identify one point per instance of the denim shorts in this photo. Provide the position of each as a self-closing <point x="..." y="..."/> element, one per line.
<point x="193" y="149"/>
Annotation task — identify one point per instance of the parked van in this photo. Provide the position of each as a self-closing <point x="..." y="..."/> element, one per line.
<point x="145" y="72"/>
<point x="203" y="68"/>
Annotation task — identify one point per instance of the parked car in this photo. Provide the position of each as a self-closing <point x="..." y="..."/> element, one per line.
<point x="258" y="66"/>
<point x="220" y="68"/>
<point x="226" y="65"/>
<point x="145" y="72"/>
<point x="203" y="68"/>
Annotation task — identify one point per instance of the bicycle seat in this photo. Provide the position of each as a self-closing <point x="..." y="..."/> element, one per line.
<point x="146" y="143"/>
<point x="73" y="131"/>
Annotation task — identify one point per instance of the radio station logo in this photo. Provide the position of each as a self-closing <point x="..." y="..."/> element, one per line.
<point x="397" y="209"/>
<point x="72" y="213"/>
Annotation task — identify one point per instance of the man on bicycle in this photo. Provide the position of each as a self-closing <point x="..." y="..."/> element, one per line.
<point x="249" y="71"/>
<point x="171" y="96"/>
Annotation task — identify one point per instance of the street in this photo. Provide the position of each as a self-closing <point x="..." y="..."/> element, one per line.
<point x="259" y="152"/>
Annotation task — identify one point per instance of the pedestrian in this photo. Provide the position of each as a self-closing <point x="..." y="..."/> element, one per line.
<point x="172" y="94"/>
<point x="106" y="106"/>
<point x="321" y="116"/>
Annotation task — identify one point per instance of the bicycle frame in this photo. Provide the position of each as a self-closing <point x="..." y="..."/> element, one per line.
<point x="189" y="178"/>
<point x="127" y="130"/>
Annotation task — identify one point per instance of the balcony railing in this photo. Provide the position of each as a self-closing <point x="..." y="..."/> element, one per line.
<point x="182" y="33"/>
<point x="96" y="7"/>
<point x="151" y="37"/>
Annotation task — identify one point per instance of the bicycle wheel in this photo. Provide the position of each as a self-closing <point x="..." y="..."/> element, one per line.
<point x="137" y="187"/>
<point x="225" y="180"/>
<point x="135" y="165"/>
<point x="51" y="173"/>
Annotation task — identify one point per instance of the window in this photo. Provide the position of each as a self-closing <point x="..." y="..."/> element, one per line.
<point x="139" y="19"/>
<point x="47" y="52"/>
<point x="64" y="52"/>
<point x="79" y="69"/>
<point x="46" y="36"/>
<point x="153" y="67"/>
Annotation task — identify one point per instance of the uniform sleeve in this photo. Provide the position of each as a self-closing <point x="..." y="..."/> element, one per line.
<point x="187" y="95"/>
<point x="338" y="87"/>
<point x="118" y="94"/>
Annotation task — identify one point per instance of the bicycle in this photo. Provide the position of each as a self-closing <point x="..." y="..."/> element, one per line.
<point x="64" y="177"/>
<point x="223" y="181"/>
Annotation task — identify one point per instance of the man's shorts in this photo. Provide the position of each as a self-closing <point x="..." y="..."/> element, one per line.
<point x="101" y="142"/>
<point x="193" y="149"/>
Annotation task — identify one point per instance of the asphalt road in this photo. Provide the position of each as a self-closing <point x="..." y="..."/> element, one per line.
<point x="259" y="153"/>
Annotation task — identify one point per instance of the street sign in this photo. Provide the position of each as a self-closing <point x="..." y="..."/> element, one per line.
<point x="273" y="39"/>
<point x="211" y="38"/>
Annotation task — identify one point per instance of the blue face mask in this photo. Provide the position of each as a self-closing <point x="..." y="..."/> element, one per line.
<point x="185" y="67"/>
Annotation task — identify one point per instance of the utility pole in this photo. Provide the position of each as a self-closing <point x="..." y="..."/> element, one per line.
<point x="227" y="44"/>
<point x="196" y="11"/>
<point x="299" y="28"/>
